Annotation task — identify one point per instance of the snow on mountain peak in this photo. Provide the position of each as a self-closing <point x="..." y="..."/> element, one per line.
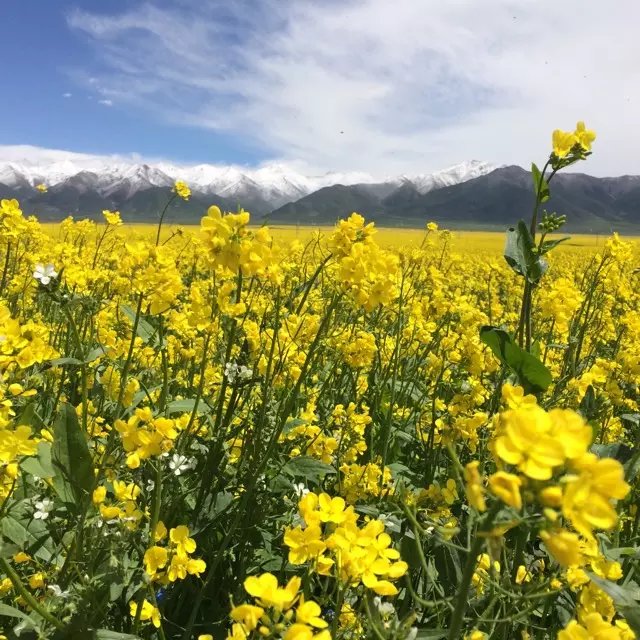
<point x="451" y="175"/>
<point x="275" y="184"/>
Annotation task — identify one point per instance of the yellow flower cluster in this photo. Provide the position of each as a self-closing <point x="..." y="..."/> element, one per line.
<point x="335" y="545"/>
<point x="367" y="272"/>
<point x="123" y="507"/>
<point x="144" y="435"/>
<point x="182" y="189"/>
<point x="231" y="245"/>
<point x="359" y="350"/>
<point x="593" y="625"/>
<point x="278" y="612"/>
<point x="564" y="142"/>
<point x="12" y="222"/>
<point x="165" y="564"/>
<point x="22" y="344"/>
<point x="362" y="481"/>
<point x="550" y="450"/>
<point x="155" y="275"/>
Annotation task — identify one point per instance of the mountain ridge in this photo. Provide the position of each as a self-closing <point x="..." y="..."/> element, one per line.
<point x="472" y="194"/>
<point x="492" y="200"/>
<point x="276" y="184"/>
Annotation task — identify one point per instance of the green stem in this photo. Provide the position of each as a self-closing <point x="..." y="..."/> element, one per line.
<point x="164" y="211"/>
<point x="127" y="364"/>
<point x="27" y="597"/>
<point x="6" y="268"/>
<point x="157" y="502"/>
<point x="457" y="617"/>
<point x="155" y="604"/>
<point x="524" y="326"/>
<point x="374" y="626"/>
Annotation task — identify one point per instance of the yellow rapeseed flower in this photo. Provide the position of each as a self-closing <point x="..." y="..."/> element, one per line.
<point x="182" y="189"/>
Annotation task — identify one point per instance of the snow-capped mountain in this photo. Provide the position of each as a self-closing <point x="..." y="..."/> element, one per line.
<point x="269" y="186"/>
<point x="450" y="176"/>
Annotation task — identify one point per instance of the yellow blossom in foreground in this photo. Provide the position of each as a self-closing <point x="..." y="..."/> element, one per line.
<point x="248" y="614"/>
<point x="507" y="487"/>
<point x="537" y="441"/>
<point x="474" y="488"/>
<point x="266" y="590"/>
<point x="589" y="494"/>
<point x="563" y="142"/>
<point x="148" y="612"/>
<point x="112" y="218"/>
<point x="182" y="189"/>
<point x="564" y="546"/>
<point x="584" y="136"/>
<point x="592" y="627"/>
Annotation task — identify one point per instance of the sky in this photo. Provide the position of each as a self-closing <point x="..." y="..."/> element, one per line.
<point x="408" y="86"/>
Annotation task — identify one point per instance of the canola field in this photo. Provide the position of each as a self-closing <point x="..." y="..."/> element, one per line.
<point x="298" y="434"/>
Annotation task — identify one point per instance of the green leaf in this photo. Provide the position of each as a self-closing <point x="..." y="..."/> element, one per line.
<point x="431" y="634"/>
<point x="214" y="507"/>
<point x="94" y="354"/>
<point x="30" y="535"/>
<point x="633" y="418"/>
<point x="309" y="468"/>
<point x="186" y="406"/>
<point x="632" y="467"/>
<point x="623" y="598"/>
<point x="547" y="245"/>
<point x="532" y="374"/>
<point x="105" y="634"/>
<point x="40" y="465"/>
<point x="292" y="424"/>
<point x="30" y="416"/>
<point x="521" y="255"/>
<point x="540" y="185"/>
<point x="71" y="458"/>
<point x="8" y="550"/>
<point x="12" y="612"/>
<point x="145" y="330"/>
<point x="623" y="552"/>
<point x="588" y="407"/>
<point x="58" y="362"/>
<point x="621" y="452"/>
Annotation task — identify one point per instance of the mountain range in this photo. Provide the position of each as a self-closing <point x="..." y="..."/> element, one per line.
<point x="469" y="195"/>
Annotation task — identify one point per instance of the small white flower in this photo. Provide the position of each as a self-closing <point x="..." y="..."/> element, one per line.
<point x="413" y="633"/>
<point x="233" y="372"/>
<point x="244" y="373"/>
<point x="390" y="521"/>
<point x="43" y="507"/>
<point x="300" y="489"/>
<point x="57" y="591"/>
<point x="179" y="464"/>
<point x="150" y="485"/>
<point x="385" y="519"/>
<point x="45" y="273"/>
<point x="230" y="371"/>
<point x="384" y="608"/>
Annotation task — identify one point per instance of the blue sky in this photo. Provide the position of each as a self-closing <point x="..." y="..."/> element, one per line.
<point x="48" y="58"/>
<point x="369" y="85"/>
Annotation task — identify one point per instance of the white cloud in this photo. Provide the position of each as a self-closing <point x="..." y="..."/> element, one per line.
<point x="30" y="155"/>
<point x="409" y="85"/>
<point x="67" y="95"/>
<point x="106" y="102"/>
